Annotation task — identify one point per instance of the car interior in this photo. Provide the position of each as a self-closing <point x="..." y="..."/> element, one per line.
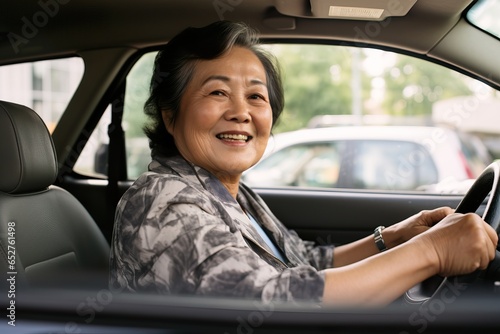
<point x="59" y="235"/>
<point x="56" y="218"/>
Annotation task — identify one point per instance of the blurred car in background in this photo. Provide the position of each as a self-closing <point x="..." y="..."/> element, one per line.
<point x="373" y="157"/>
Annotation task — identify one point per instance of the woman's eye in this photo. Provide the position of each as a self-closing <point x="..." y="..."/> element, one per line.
<point x="257" y="97"/>
<point x="217" y="93"/>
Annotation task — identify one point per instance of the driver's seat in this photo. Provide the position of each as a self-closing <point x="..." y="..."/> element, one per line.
<point x="46" y="235"/>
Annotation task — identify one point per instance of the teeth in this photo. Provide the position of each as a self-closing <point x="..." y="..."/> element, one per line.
<point x="233" y="137"/>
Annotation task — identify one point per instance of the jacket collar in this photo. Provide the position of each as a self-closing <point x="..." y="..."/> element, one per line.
<point x="192" y="173"/>
<point x="209" y="183"/>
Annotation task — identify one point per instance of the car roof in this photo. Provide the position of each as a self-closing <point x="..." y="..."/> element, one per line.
<point x="417" y="134"/>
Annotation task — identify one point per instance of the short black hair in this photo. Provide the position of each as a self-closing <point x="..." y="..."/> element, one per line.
<point x="173" y="69"/>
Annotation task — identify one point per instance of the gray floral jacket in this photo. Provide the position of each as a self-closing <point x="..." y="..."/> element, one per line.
<point x="179" y="231"/>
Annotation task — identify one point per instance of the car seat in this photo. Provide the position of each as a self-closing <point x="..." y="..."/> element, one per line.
<point x="46" y="236"/>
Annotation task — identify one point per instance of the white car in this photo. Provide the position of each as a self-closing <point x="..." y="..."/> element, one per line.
<point x="372" y="157"/>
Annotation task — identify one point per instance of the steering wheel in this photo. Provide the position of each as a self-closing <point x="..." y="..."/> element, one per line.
<point x="487" y="183"/>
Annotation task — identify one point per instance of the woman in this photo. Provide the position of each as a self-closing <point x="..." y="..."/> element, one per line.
<point x="189" y="225"/>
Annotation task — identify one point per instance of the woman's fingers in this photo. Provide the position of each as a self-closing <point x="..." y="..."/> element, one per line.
<point x="464" y="243"/>
<point x="432" y="217"/>
<point x="491" y="241"/>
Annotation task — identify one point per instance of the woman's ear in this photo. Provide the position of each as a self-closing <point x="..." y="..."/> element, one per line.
<point x="166" y="115"/>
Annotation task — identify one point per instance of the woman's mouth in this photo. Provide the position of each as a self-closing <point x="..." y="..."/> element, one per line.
<point x="234" y="137"/>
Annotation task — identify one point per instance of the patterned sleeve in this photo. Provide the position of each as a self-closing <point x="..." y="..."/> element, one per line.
<point x="320" y="256"/>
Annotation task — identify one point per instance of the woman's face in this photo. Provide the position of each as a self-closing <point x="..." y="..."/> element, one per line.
<point x="225" y="117"/>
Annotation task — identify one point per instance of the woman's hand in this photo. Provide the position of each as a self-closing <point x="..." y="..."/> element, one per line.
<point x="393" y="236"/>
<point x="414" y="225"/>
<point x="462" y="244"/>
<point x="440" y="242"/>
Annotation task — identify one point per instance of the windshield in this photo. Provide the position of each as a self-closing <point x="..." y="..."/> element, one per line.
<point x="484" y="14"/>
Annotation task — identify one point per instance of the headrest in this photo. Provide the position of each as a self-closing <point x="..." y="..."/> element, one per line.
<point x="28" y="161"/>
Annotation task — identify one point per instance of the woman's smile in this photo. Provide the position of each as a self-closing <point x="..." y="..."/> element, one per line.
<point x="231" y="138"/>
<point x="225" y="115"/>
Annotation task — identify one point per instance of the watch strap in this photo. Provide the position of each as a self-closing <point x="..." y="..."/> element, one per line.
<point x="379" y="240"/>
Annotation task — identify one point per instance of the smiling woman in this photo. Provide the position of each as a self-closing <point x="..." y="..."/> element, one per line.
<point x="394" y="109"/>
<point x="212" y="129"/>
<point x="226" y="116"/>
<point x="174" y="67"/>
<point x="188" y="226"/>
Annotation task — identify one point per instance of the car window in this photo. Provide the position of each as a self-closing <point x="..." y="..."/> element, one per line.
<point x="386" y="165"/>
<point x="45" y="86"/>
<point x="338" y="88"/>
<point x="93" y="160"/>
<point x="353" y="164"/>
<point x="484" y="15"/>
<point x="309" y="165"/>
<point x="134" y="119"/>
<point x="323" y="168"/>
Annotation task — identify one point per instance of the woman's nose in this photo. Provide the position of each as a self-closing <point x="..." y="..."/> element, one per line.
<point x="238" y="111"/>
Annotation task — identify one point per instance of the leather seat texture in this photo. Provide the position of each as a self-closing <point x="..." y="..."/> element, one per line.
<point x="46" y="236"/>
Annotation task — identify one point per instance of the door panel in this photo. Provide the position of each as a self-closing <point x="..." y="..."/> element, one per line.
<point x="338" y="217"/>
<point x="323" y="216"/>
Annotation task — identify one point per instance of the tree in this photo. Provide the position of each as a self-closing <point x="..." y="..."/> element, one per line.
<point x="317" y="81"/>
<point x="413" y="85"/>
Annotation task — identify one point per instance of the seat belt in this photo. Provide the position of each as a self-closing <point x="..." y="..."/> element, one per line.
<point x="117" y="160"/>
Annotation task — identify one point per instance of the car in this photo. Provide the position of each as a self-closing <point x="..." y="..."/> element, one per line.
<point x="74" y="76"/>
<point x="390" y="158"/>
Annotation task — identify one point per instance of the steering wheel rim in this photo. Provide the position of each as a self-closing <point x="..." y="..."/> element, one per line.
<point x="487" y="183"/>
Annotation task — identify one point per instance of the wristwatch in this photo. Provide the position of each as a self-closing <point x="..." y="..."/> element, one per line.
<point x="379" y="241"/>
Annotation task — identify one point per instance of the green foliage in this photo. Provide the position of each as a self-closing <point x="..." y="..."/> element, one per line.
<point x="317" y="81"/>
<point x="413" y="85"/>
<point x="137" y="92"/>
